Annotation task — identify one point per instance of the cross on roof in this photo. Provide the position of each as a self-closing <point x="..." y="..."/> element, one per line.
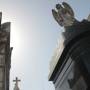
<point x="16" y="80"/>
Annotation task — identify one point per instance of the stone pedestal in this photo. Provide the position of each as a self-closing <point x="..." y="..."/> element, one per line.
<point x="72" y="71"/>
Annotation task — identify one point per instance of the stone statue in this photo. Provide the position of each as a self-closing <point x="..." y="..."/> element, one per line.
<point x="63" y="14"/>
<point x="16" y="84"/>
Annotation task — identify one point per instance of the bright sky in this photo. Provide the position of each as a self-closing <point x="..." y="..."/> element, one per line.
<point x="34" y="36"/>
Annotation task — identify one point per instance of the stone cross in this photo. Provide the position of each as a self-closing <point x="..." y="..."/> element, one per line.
<point x="16" y="83"/>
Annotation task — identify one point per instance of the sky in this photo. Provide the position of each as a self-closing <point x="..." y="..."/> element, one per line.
<point x="34" y="37"/>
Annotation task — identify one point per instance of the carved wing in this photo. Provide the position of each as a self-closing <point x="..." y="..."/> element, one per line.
<point x="68" y="8"/>
<point x="57" y="17"/>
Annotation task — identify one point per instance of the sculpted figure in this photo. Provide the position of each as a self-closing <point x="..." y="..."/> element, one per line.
<point x="63" y="14"/>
